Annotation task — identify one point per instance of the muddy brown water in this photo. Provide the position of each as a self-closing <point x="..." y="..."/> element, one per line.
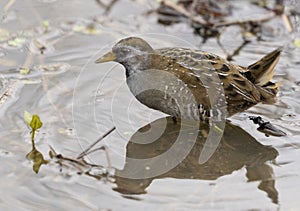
<point x="78" y="101"/>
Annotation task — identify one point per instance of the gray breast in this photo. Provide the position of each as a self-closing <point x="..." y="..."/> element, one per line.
<point x="161" y="90"/>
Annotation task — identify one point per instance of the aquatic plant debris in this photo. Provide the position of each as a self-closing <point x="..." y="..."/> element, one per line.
<point x="24" y="71"/>
<point x="17" y="42"/>
<point x="34" y="155"/>
<point x="80" y="165"/>
<point x="37" y="158"/>
<point x="297" y="42"/>
<point x="90" y="29"/>
<point x="33" y="121"/>
<point x="46" y="24"/>
<point x="266" y="127"/>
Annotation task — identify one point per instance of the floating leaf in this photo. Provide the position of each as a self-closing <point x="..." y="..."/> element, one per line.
<point x="46" y="24"/>
<point x="297" y="42"/>
<point x="35" y="122"/>
<point x="249" y="35"/>
<point x="24" y="71"/>
<point x="86" y="29"/>
<point x="17" y="42"/>
<point x="27" y="117"/>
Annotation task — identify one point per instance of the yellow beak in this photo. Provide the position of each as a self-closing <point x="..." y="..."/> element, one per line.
<point x="110" y="56"/>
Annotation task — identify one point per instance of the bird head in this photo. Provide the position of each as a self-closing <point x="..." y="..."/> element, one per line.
<point x="125" y="50"/>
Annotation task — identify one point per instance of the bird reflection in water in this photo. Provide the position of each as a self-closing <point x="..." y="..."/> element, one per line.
<point x="236" y="150"/>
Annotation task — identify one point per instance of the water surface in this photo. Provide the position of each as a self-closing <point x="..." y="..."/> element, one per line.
<point x="78" y="101"/>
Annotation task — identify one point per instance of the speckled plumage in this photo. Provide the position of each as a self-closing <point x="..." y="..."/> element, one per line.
<point x="197" y="74"/>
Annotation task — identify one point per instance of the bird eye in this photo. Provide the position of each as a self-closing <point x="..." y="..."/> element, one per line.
<point x="125" y="50"/>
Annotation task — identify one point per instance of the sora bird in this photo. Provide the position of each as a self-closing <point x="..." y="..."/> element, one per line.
<point x="188" y="84"/>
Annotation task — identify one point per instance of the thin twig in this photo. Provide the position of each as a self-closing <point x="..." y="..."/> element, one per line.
<point x="180" y="9"/>
<point x="8" y="5"/>
<point x="287" y="22"/>
<point x="109" y="6"/>
<point x="61" y="157"/>
<point x="93" y="150"/>
<point x="107" y="157"/>
<point x="77" y="161"/>
<point x="238" y="50"/>
<point x="101" y="3"/>
<point x="267" y="17"/>
<point x="93" y="144"/>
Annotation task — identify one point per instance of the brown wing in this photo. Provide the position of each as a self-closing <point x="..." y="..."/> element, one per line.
<point x="239" y="91"/>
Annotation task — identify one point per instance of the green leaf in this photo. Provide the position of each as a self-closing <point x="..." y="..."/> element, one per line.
<point x="35" y="122"/>
<point x="297" y="42"/>
<point x="45" y="24"/>
<point x="27" y="117"/>
<point x="24" y="71"/>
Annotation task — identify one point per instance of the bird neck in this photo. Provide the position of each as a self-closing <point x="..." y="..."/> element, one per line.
<point x="136" y="64"/>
